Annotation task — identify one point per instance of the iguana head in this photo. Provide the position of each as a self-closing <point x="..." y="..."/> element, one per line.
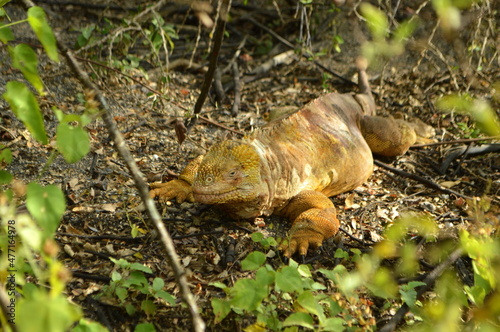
<point x="229" y="173"/>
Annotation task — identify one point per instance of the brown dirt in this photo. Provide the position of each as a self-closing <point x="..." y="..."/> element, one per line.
<point x="103" y="206"/>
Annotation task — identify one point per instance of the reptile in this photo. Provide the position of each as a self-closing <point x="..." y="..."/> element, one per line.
<point x="291" y="166"/>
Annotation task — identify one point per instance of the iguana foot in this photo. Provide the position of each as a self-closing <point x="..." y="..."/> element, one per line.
<point x="178" y="189"/>
<point x="314" y="220"/>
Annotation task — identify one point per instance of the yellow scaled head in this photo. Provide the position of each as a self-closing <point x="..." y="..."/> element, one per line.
<point x="229" y="172"/>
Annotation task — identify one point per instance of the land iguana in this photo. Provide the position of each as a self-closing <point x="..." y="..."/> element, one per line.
<point x="293" y="164"/>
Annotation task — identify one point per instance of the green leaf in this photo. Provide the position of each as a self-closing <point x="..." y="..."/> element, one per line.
<point x="158" y="284"/>
<point x="140" y="267"/>
<point x="311" y="304"/>
<point x="304" y="271"/>
<point x="123" y="263"/>
<point x="404" y="31"/>
<point x="340" y="253"/>
<point x="25" y="59"/>
<point x="6" y="156"/>
<point x="221" y="309"/>
<point x="167" y="297"/>
<point x="257" y="237"/>
<point x="121" y="293"/>
<point x="38" y="21"/>
<point x="218" y="285"/>
<point x="72" y="142"/>
<point x="264" y="277"/>
<point x="382" y="284"/>
<point x="301" y="319"/>
<point x="46" y="205"/>
<point x="25" y="107"/>
<point x="136" y="278"/>
<point x="148" y="307"/>
<point x="5" y="177"/>
<point x="409" y="294"/>
<point x="288" y="279"/>
<point x="253" y="261"/>
<point x="6" y="34"/>
<point x="130" y="308"/>
<point x="145" y="327"/>
<point x="246" y="294"/>
<point x="116" y="276"/>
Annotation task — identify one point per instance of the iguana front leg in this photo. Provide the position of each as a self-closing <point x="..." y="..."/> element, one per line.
<point x="313" y="219"/>
<point x="180" y="189"/>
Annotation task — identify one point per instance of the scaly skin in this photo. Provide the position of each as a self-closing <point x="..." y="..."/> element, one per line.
<point x="291" y="166"/>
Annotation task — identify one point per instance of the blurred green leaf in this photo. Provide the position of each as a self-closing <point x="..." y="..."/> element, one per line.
<point x="6" y="34"/>
<point x="480" y="110"/>
<point x="72" y="142"/>
<point x="25" y="107"/>
<point x="85" y="325"/>
<point x="5" y="155"/>
<point x="38" y="22"/>
<point x="46" y="205"/>
<point x="408" y="292"/>
<point x="41" y="312"/>
<point x="376" y="20"/>
<point x="5" y="177"/>
<point x="25" y="59"/>
<point x="404" y="31"/>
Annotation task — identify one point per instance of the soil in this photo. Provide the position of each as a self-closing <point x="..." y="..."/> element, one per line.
<point x="104" y="210"/>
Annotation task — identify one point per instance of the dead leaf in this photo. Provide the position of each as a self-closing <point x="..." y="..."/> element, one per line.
<point x="180" y="130"/>
<point x="449" y="184"/>
<point x="68" y="250"/>
<point x="109" y="207"/>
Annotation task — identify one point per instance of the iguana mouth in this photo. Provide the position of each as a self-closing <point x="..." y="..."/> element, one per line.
<point x="214" y="198"/>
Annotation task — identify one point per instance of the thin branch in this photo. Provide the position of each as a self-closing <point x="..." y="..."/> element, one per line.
<point x="429" y="280"/>
<point x="156" y="92"/>
<point x="214" y="55"/>
<point x="457" y="141"/>
<point x="121" y="147"/>
<point x="420" y="179"/>
<point x="237" y="89"/>
<point x="290" y="45"/>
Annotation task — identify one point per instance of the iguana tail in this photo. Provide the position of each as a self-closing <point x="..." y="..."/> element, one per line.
<point x="365" y="97"/>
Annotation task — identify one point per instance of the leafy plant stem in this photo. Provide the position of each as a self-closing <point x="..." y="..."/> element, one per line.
<point x="13" y="23"/>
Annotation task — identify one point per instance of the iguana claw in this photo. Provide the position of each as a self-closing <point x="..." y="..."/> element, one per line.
<point x="178" y="189"/>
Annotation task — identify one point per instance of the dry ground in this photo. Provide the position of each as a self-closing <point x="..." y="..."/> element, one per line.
<point x="103" y="206"/>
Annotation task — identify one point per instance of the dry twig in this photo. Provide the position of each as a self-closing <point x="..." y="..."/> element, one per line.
<point x="214" y="55"/>
<point x="428" y="183"/>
